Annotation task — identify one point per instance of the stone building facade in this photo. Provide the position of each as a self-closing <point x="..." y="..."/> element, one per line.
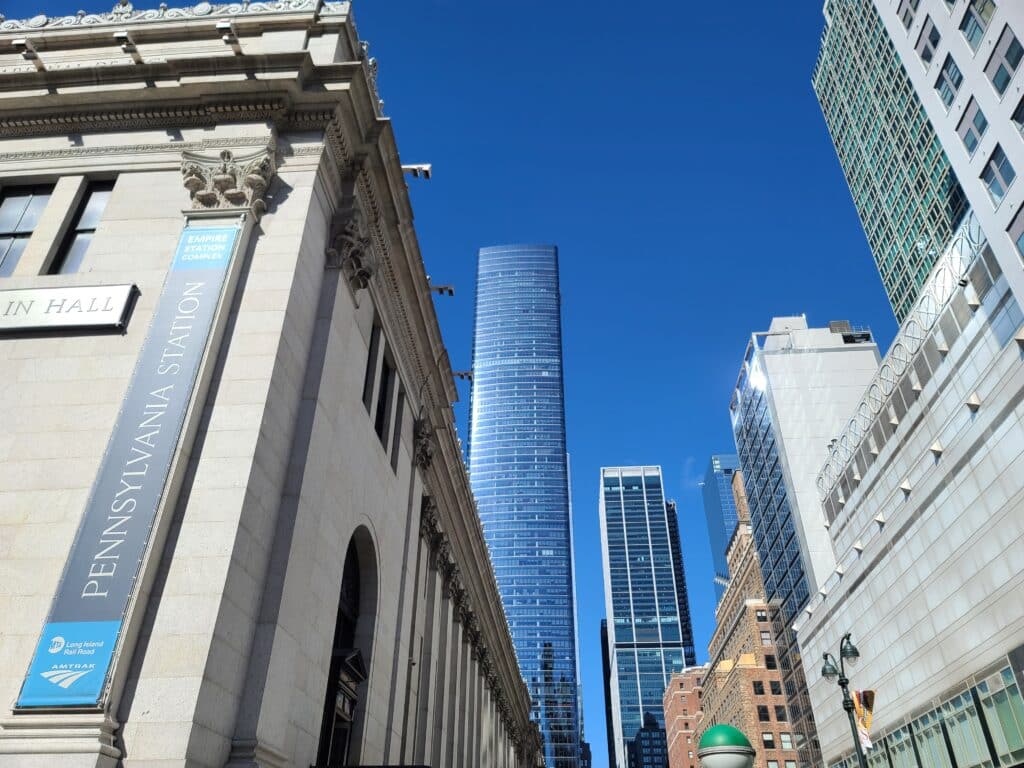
<point x="308" y="582"/>
<point x="683" y="715"/>
<point x="744" y="685"/>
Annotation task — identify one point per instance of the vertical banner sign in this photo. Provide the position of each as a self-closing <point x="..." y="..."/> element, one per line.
<point x="75" y="651"/>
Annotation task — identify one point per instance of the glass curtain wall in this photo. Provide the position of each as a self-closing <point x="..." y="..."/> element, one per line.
<point x="519" y="474"/>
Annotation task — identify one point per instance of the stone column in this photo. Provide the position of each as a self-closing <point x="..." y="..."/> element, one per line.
<point x="430" y="669"/>
<point x="443" y="656"/>
<point x="419" y="633"/>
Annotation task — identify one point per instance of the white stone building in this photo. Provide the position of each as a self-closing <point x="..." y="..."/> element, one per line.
<point x="219" y="355"/>
<point x="923" y="490"/>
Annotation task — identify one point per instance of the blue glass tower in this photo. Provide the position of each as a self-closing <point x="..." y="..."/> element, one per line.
<point x="650" y="636"/>
<point x="519" y="473"/>
<point x="720" y="511"/>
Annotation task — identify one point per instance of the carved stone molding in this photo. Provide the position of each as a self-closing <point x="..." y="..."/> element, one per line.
<point x="144" y="117"/>
<point x="351" y="250"/>
<point x="124" y="13"/>
<point x="430" y="527"/>
<point x="442" y="556"/>
<point x="228" y="181"/>
<point x="423" y="443"/>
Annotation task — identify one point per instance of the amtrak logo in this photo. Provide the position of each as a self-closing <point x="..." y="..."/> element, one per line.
<point x="65" y="678"/>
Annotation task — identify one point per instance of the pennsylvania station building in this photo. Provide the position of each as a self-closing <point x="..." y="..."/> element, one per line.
<point x="235" y="525"/>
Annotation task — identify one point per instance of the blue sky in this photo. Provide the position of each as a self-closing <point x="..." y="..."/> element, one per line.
<point x="676" y="155"/>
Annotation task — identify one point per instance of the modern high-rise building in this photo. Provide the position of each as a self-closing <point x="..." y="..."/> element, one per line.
<point x="907" y="196"/>
<point x="720" y="511"/>
<point x="922" y="489"/>
<point x="645" y="598"/>
<point x="796" y="389"/>
<point x="648" y="748"/>
<point x="519" y="473"/>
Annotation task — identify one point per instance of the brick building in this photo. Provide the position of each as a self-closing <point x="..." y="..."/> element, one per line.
<point x="743" y="686"/>
<point x="683" y="715"/>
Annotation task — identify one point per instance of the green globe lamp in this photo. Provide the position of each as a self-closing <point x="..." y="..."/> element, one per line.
<point x="723" y="746"/>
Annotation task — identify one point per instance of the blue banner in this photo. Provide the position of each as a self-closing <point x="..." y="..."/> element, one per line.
<point x="73" y="658"/>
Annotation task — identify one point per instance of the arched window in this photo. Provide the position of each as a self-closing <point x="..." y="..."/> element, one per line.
<point x="348" y="668"/>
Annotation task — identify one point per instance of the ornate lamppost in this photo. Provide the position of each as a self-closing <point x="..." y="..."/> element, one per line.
<point x="723" y="746"/>
<point x="847" y="653"/>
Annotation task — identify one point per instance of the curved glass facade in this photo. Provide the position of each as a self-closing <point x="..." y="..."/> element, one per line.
<point x="519" y="473"/>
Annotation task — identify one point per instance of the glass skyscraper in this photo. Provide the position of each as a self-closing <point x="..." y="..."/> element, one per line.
<point x="720" y="511"/>
<point x="519" y="473"/>
<point x="650" y="636"/>
<point x="905" y="191"/>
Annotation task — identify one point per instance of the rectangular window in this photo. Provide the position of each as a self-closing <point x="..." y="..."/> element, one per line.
<point x="1004" y="712"/>
<point x="773" y="764"/>
<point x="79" y="237"/>
<point x="766" y="638"/>
<point x="1004" y="61"/>
<point x="763" y="714"/>
<point x="786" y="740"/>
<point x="1016" y="232"/>
<point x="769" y="662"/>
<point x="396" y="438"/>
<point x="762" y="615"/>
<point x="384" y="395"/>
<point x="20" y="209"/>
<point x="791" y="764"/>
<point x="972" y="126"/>
<point x="1018" y="116"/>
<point x="976" y="20"/>
<point x="928" y="41"/>
<point x="780" y="714"/>
<point x="906" y="12"/>
<point x="371" y="366"/>
<point x="768" y="740"/>
<point x="949" y="81"/>
<point x="998" y="175"/>
<point x="758" y="688"/>
<point x="776" y="688"/>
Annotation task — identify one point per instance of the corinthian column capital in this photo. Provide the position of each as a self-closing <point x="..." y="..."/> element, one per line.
<point x="228" y="180"/>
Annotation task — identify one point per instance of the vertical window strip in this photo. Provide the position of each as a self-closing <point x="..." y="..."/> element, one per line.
<point x="20" y="209"/>
<point x="371" y="366"/>
<point x="79" y="237"/>
<point x="396" y="438"/>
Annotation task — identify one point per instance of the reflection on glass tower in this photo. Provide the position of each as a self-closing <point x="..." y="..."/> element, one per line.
<point x="720" y="510"/>
<point x="519" y="473"/>
<point x="645" y="599"/>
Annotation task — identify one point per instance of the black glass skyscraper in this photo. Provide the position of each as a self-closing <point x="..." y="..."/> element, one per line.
<point x="650" y="636"/>
<point x="519" y="473"/>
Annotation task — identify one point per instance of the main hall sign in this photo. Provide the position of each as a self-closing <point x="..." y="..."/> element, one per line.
<point x="82" y="307"/>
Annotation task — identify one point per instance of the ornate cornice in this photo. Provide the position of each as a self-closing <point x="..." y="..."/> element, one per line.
<point x="228" y="181"/>
<point x="163" y="117"/>
<point x="124" y="13"/>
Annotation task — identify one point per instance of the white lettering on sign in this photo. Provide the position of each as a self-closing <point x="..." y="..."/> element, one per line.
<point x="41" y="309"/>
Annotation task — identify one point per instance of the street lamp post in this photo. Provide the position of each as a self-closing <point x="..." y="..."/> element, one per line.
<point x="847" y="652"/>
